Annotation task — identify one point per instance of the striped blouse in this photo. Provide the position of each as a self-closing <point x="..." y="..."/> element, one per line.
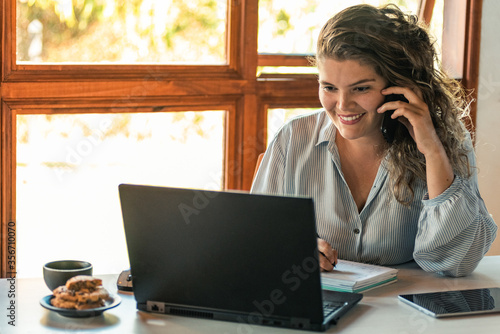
<point x="448" y="234"/>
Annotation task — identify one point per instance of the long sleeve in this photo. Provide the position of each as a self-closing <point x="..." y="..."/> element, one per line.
<point x="455" y="229"/>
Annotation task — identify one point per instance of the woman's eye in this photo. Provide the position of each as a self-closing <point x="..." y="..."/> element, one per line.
<point x="361" y="89"/>
<point x="328" y="88"/>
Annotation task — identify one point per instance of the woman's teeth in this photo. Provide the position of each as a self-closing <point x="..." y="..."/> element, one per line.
<point x="351" y="118"/>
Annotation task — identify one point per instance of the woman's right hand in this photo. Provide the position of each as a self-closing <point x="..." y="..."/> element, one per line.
<point x="327" y="255"/>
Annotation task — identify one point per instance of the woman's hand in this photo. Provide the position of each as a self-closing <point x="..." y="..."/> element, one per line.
<point x="327" y="255"/>
<point x="415" y="115"/>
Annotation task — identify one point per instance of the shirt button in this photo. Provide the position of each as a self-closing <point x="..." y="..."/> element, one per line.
<point x="356" y="231"/>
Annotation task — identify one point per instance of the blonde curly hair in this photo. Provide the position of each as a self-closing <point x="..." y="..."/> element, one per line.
<point x="400" y="49"/>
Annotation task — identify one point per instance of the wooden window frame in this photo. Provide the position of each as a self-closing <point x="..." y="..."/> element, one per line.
<point x="235" y="87"/>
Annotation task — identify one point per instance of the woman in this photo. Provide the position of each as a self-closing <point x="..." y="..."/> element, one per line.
<point x="379" y="202"/>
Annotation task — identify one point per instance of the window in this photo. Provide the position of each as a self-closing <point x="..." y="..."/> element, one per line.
<point x="77" y="80"/>
<point x="70" y="165"/>
<point x="127" y="32"/>
<point x="292" y="27"/>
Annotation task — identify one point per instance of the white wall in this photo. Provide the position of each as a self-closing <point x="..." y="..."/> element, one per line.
<point x="488" y="113"/>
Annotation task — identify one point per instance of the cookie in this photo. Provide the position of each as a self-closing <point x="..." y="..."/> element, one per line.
<point x="86" y="306"/>
<point x="61" y="303"/>
<point x="92" y="297"/>
<point x="62" y="293"/>
<point x="81" y="293"/>
<point x="83" y="282"/>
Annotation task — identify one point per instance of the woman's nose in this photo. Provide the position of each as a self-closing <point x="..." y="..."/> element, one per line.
<point x="344" y="101"/>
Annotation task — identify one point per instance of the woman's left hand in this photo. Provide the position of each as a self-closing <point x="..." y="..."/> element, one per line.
<point x="415" y="116"/>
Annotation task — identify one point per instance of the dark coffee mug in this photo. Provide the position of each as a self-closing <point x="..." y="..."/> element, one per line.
<point x="56" y="273"/>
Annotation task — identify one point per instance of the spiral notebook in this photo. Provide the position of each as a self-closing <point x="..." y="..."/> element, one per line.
<point x="351" y="276"/>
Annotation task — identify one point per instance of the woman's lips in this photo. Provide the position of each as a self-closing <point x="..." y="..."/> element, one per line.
<point x="350" y="119"/>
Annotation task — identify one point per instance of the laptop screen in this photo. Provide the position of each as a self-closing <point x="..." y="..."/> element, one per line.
<point x="246" y="254"/>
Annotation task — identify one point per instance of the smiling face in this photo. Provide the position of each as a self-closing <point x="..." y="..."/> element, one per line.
<point x="350" y="93"/>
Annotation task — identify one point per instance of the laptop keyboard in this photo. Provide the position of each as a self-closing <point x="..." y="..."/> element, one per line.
<point x="330" y="307"/>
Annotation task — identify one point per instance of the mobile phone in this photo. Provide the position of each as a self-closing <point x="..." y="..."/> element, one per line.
<point x="389" y="125"/>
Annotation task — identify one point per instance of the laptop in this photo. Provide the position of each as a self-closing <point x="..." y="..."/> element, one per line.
<point x="226" y="255"/>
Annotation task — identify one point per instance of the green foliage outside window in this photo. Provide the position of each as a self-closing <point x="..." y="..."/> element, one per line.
<point x="116" y="31"/>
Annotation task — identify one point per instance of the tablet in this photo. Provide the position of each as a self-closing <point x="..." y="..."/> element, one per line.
<point x="455" y="303"/>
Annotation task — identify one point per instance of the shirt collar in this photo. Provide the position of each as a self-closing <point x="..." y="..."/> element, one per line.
<point x="326" y="131"/>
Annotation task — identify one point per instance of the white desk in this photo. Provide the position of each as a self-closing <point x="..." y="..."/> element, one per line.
<point x="378" y="312"/>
